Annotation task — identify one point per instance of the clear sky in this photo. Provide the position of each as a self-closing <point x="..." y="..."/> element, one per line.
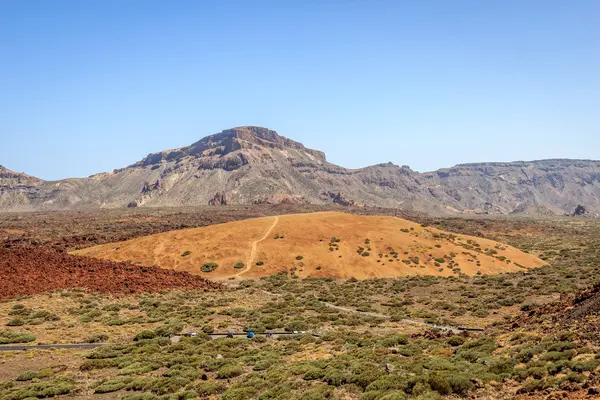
<point x="90" y="86"/>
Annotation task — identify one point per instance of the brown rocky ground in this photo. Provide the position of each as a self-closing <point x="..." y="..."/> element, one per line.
<point x="578" y="313"/>
<point x="31" y="270"/>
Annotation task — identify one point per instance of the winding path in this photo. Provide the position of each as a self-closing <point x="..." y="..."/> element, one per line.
<point x="255" y="246"/>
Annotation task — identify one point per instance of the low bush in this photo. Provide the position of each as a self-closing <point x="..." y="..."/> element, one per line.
<point x="16" y="322"/>
<point x="144" y="335"/>
<point x="59" y="386"/>
<point x="7" y="337"/>
<point x="229" y="371"/>
<point x="112" y="385"/>
<point x="99" y="338"/>
<point x="28" y="375"/>
<point x="209" y="267"/>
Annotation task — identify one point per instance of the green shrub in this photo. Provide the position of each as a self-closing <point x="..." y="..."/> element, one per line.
<point x="259" y="263"/>
<point x="461" y="384"/>
<point x="99" y="338"/>
<point x="394" y="340"/>
<point x="7" y="337"/>
<point x="143" y="396"/>
<point x="313" y="373"/>
<point x="320" y="392"/>
<point x="210" y="388"/>
<point x="263" y="364"/>
<point x="90" y="365"/>
<point x="186" y="253"/>
<point x="229" y="371"/>
<point x="144" y="335"/>
<point x="558" y="355"/>
<point x="456" y="341"/>
<point x="137" y="368"/>
<point x="480" y="313"/>
<point x="440" y="384"/>
<point x="59" y="386"/>
<point x="16" y="322"/>
<point x="113" y="385"/>
<point x="209" y="267"/>
<point x="243" y="393"/>
<point x="28" y="375"/>
<point x="239" y="265"/>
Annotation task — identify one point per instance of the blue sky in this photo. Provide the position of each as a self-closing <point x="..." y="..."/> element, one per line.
<point x="89" y="86"/>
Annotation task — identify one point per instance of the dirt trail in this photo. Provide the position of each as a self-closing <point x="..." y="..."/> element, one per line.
<point x="255" y="247"/>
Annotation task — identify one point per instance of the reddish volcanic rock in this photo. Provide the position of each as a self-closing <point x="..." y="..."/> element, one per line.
<point x="31" y="270"/>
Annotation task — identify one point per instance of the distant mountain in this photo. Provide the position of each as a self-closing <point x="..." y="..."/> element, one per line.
<point x="256" y="165"/>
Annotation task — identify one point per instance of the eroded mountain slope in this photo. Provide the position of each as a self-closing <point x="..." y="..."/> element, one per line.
<point x="256" y="165"/>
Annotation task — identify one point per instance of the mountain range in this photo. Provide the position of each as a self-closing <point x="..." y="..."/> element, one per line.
<point x="256" y="165"/>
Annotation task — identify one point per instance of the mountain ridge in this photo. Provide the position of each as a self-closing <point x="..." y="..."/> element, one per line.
<point x="251" y="164"/>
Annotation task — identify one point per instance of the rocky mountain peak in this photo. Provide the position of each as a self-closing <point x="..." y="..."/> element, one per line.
<point x="11" y="178"/>
<point x="5" y="172"/>
<point x="230" y="141"/>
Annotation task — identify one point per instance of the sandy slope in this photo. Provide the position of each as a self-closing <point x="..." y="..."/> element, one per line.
<point x="308" y="236"/>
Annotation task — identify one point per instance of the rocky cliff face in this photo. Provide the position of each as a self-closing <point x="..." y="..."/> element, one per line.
<point x="538" y="187"/>
<point x="17" y="189"/>
<point x="10" y="179"/>
<point x="256" y="165"/>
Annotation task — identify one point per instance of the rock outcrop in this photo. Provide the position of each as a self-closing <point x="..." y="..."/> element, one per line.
<point x="220" y="199"/>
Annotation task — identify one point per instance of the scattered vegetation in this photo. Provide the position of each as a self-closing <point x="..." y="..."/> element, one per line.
<point x="369" y="357"/>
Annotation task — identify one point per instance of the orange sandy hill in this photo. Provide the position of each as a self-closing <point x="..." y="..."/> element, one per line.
<point x="327" y="244"/>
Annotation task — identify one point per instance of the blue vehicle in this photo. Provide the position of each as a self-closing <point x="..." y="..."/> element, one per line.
<point x="250" y="335"/>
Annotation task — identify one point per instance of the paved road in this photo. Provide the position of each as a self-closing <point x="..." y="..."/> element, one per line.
<point x="175" y="339"/>
<point x="51" y="346"/>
